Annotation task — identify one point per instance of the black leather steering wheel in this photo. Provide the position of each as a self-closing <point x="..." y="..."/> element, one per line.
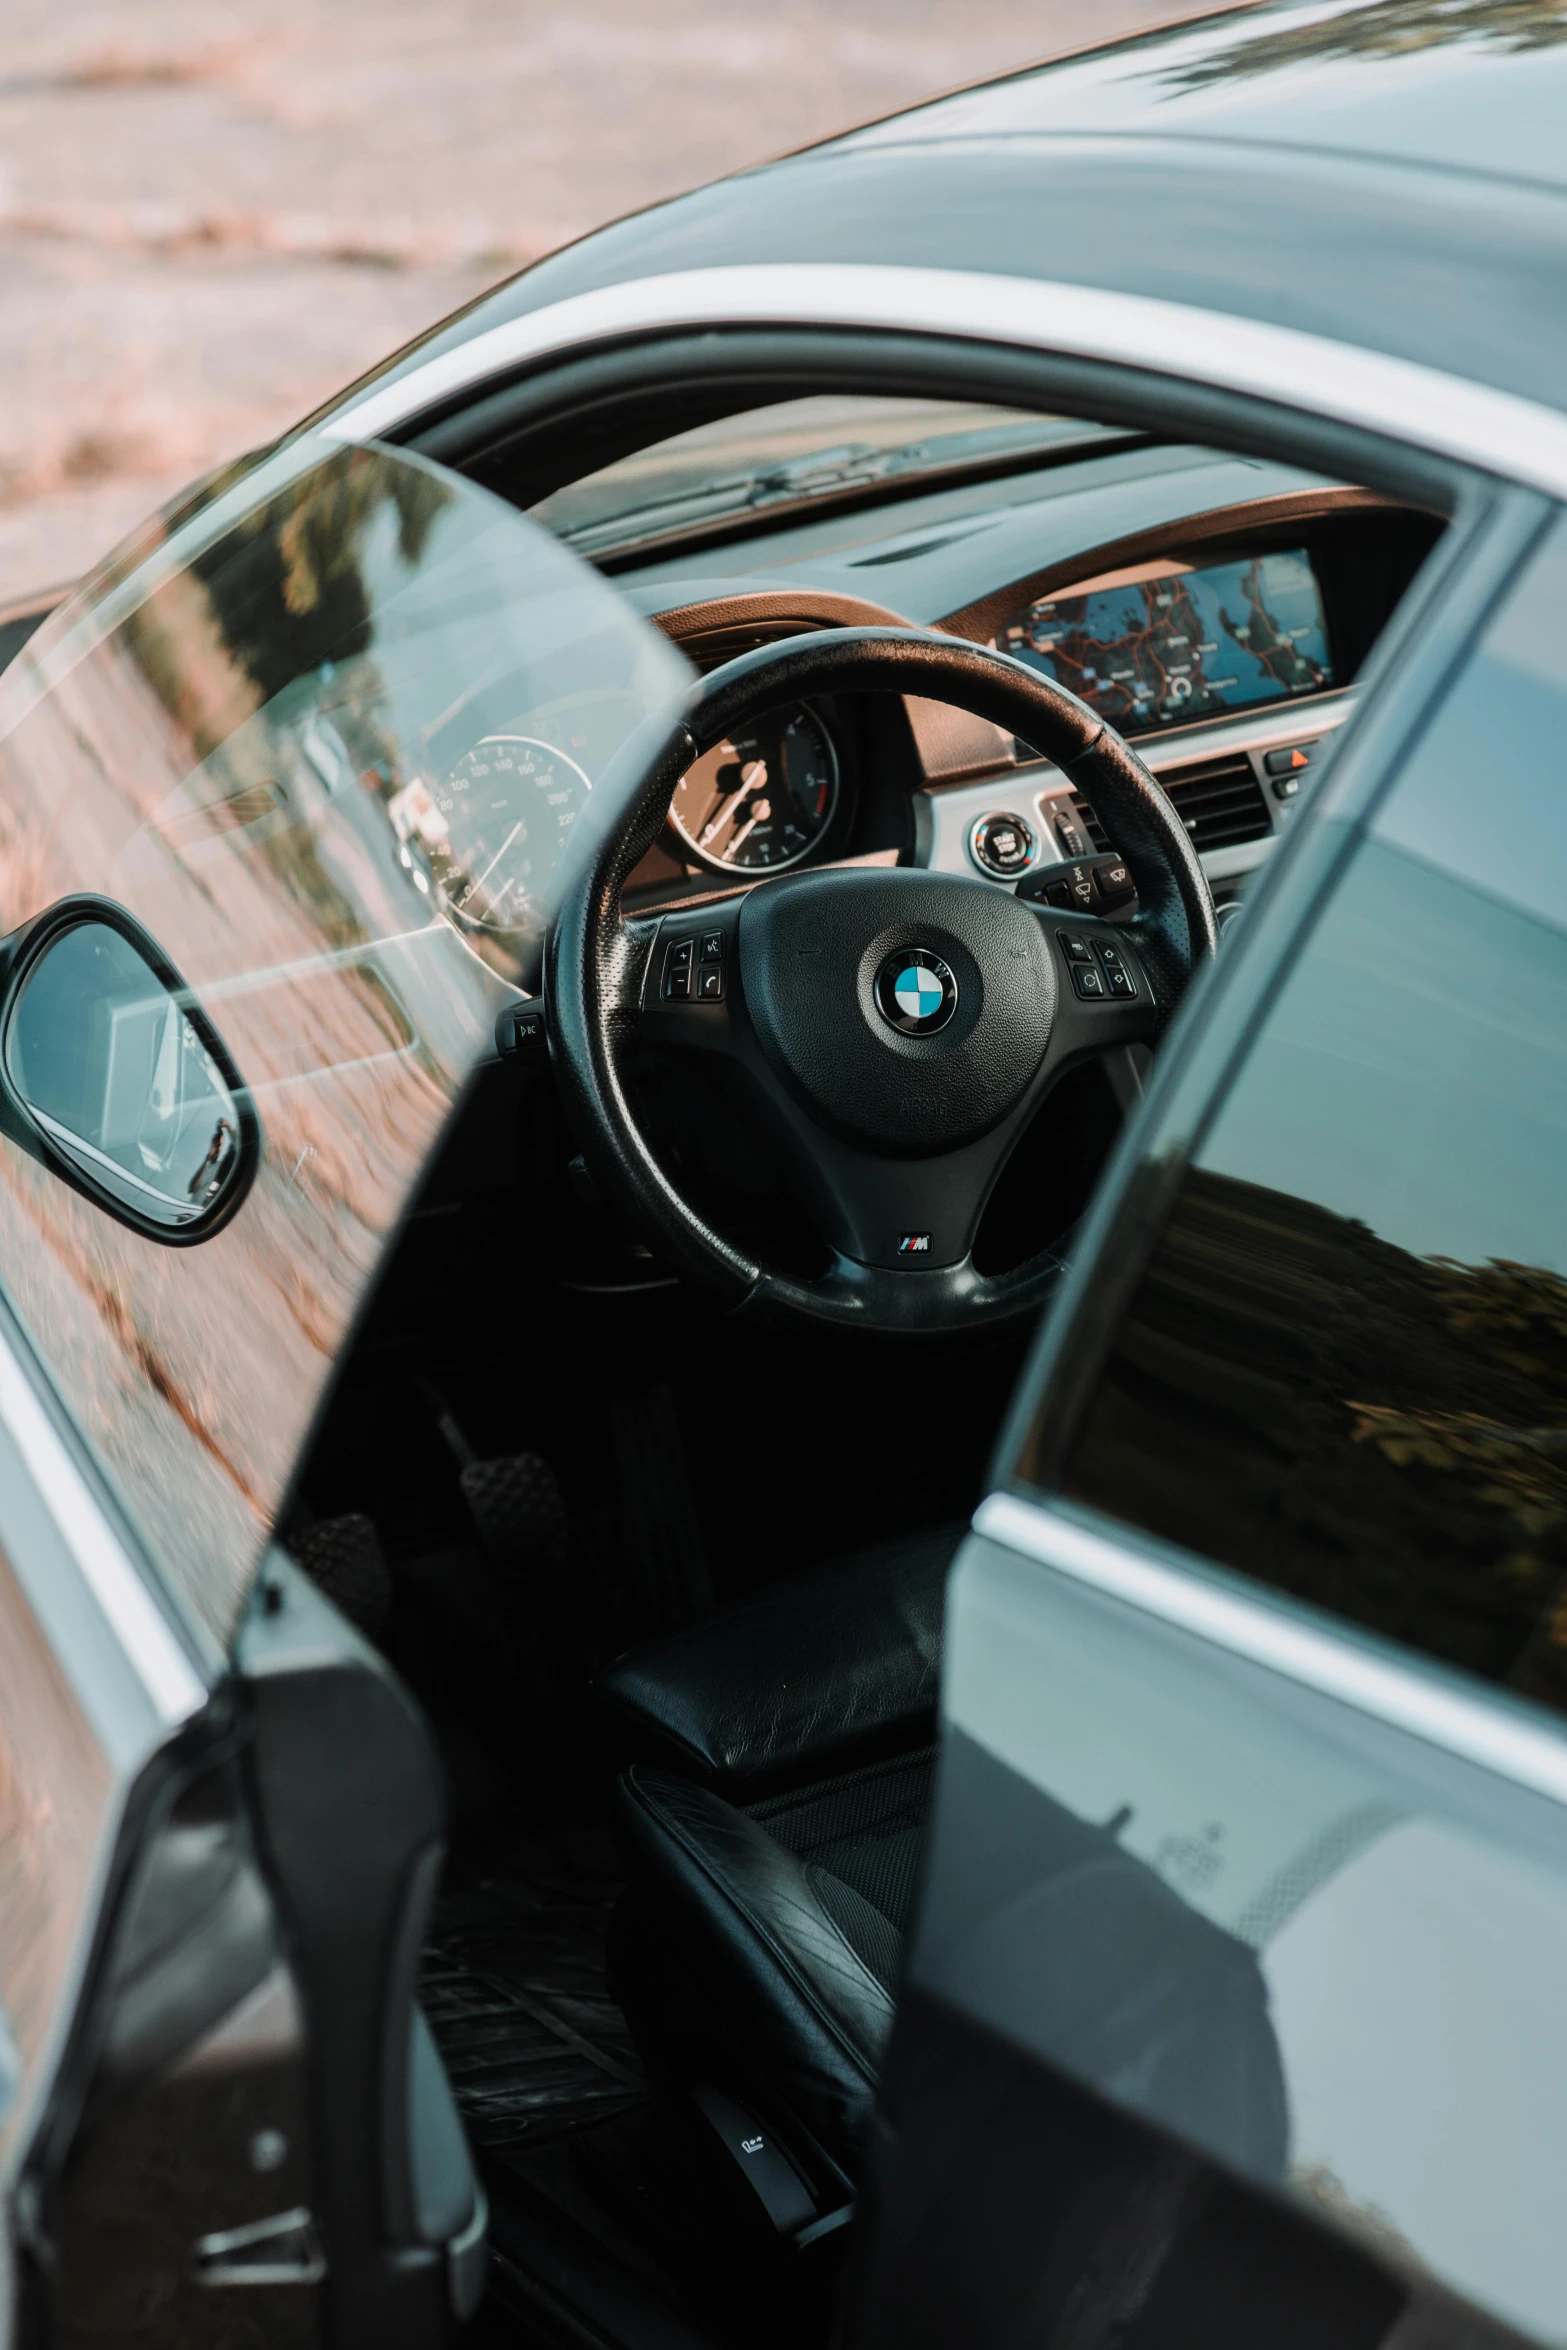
<point x="896" y="1028"/>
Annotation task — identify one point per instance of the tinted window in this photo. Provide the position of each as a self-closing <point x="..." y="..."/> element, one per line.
<point x="321" y="740"/>
<point x="1345" y="1368"/>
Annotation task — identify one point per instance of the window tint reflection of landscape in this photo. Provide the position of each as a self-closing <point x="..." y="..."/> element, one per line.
<point x="215" y="739"/>
<point x="1345" y="1368"/>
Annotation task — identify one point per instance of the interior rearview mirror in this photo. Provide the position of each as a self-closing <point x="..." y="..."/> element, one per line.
<point x="114" y="1077"/>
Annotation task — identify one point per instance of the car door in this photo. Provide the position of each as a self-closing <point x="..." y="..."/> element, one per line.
<point x="1232" y="2013"/>
<point x="255" y="946"/>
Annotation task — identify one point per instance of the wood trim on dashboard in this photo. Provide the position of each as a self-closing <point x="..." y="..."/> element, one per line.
<point x="714" y="630"/>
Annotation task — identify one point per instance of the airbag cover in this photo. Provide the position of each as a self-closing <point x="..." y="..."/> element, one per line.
<point x="810" y="949"/>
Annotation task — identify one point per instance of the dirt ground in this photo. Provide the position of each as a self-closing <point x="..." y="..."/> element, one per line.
<point x="211" y="217"/>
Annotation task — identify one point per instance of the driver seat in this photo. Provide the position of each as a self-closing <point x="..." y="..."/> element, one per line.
<point x="771" y="1831"/>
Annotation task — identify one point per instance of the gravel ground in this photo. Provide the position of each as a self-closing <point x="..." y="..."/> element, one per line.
<point x="210" y="218"/>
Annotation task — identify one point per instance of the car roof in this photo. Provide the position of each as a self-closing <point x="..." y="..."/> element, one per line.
<point x="1389" y="176"/>
<point x="1463" y="85"/>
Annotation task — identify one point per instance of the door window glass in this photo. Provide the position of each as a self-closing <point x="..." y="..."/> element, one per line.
<point x="1344" y="1370"/>
<point x="322" y="742"/>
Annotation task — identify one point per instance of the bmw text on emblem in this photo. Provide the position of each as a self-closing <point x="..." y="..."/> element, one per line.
<point x="916" y="991"/>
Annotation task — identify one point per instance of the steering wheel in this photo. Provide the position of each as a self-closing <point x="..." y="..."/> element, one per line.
<point x="895" y="1029"/>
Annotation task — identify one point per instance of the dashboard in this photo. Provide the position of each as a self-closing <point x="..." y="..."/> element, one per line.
<point x="1216" y="610"/>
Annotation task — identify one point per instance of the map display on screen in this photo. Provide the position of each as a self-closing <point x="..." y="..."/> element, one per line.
<point x="1166" y="643"/>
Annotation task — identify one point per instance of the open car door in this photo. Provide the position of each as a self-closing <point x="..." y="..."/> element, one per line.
<point x="288" y="797"/>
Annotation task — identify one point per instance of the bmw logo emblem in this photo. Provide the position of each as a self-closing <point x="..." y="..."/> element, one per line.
<point x="916" y="991"/>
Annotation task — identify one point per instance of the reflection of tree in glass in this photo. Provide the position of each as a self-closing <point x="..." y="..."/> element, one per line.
<point x="1390" y="28"/>
<point x="1379" y="1433"/>
<point x="1515" y="1315"/>
<point x="277" y="619"/>
<point x="287" y="586"/>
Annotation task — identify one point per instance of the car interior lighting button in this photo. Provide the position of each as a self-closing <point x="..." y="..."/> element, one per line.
<point x="1076" y="950"/>
<point x="710" y="985"/>
<point x="712" y="946"/>
<point x="1089" y="981"/>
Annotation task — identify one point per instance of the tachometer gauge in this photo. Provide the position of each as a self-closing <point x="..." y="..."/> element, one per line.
<point x="494" y="831"/>
<point x="762" y="800"/>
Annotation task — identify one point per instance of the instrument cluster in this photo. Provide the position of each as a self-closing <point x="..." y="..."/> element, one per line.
<point x="763" y="800"/>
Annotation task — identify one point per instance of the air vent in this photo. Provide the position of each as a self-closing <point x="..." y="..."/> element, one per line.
<point x="1219" y="801"/>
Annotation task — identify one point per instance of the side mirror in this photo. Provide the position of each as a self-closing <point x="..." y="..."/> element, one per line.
<point x="112" y="1075"/>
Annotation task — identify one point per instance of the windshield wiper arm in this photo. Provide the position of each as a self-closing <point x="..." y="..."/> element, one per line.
<point x="824" y="473"/>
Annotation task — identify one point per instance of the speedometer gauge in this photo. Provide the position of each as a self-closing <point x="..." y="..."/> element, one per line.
<point x="496" y="829"/>
<point x="763" y="799"/>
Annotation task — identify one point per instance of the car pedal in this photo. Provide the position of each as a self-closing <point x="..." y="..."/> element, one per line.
<point x="519" y="1515"/>
<point x="344" y="1559"/>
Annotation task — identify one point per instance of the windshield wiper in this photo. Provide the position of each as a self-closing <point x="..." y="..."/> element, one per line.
<point x="845" y="471"/>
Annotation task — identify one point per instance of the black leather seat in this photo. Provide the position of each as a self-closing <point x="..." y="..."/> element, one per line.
<point x="810" y="1675"/>
<point x="771" y="1840"/>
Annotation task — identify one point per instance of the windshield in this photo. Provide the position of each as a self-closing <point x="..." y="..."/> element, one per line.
<point x="325" y="739"/>
<point x="797" y="454"/>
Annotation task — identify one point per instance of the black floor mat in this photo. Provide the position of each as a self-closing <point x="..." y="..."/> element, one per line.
<point x="514" y="1988"/>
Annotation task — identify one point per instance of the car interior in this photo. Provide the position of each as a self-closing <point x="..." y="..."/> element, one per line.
<point x="667" y="1579"/>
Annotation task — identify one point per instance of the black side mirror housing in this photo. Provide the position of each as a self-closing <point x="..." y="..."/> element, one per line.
<point x="113" y="1077"/>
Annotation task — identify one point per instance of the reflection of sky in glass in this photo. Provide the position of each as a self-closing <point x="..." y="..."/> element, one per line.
<point x="1409" y="1912"/>
<point x="1416" y="2000"/>
<point x="1413" y="1073"/>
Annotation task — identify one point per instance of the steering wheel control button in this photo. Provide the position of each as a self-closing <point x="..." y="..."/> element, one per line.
<point x="916" y="992"/>
<point x="1099" y="969"/>
<point x="520" y="1030"/>
<point x="694" y="969"/>
<point x="1002" y="846"/>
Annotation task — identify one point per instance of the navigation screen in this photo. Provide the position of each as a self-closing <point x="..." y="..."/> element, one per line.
<point x="1163" y="643"/>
